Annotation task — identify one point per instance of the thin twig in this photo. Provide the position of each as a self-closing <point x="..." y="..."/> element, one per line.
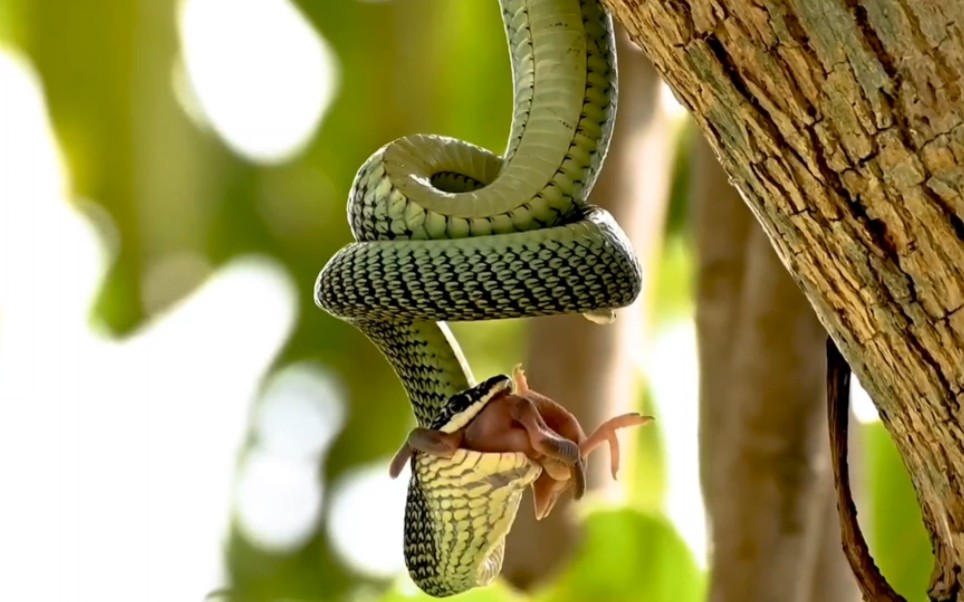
<point x="872" y="583"/>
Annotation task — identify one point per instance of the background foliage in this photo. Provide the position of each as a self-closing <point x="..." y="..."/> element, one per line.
<point x="183" y="201"/>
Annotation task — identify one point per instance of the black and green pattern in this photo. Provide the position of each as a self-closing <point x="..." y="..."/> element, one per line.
<point x="446" y="230"/>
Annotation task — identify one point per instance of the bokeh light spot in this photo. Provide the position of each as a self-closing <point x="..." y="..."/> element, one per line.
<point x="366" y="520"/>
<point x="279" y="501"/>
<point x="302" y="411"/>
<point x="260" y="73"/>
<point x="673" y="371"/>
<point x="862" y="405"/>
<point x="670" y="104"/>
<point x="119" y="452"/>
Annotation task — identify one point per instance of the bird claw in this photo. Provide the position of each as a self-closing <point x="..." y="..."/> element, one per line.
<point x="563" y="450"/>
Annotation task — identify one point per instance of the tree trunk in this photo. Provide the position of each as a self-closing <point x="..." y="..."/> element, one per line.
<point x="839" y="123"/>
<point x="763" y="455"/>
<point x="589" y="367"/>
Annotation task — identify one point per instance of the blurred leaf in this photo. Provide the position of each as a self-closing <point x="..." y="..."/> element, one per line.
<point x="627" y="556"/>
<point x="647" y="482"/>
<point x="87" y="54"/>
<point x="491" y="347"/>
<point x="678" y="218"/>
<point x="674" y="286"/>
<point x="11" y="22"/>
<point x="899" y="541"/>
<point x="480" y="114"/>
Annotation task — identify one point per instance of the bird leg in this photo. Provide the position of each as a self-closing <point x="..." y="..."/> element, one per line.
<point x="427" y="441"/>
<point x="606" y="432"/>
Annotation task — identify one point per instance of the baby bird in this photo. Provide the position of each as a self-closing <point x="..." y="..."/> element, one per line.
<point x="528" y="422"/>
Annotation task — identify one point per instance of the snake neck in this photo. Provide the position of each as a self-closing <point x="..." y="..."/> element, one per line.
<point x="564" y="80"/>
<point x="427" y="360"/>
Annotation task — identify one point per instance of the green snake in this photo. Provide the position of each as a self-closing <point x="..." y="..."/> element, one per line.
<point x="446" y="230"/>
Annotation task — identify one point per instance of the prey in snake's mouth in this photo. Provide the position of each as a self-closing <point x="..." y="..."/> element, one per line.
<point x="522" y="420"/>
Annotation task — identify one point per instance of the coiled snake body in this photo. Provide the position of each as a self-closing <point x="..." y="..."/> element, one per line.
<point x="446" y="230"/>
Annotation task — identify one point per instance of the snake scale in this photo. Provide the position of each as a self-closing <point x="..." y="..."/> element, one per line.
<point x="445" y="230"/>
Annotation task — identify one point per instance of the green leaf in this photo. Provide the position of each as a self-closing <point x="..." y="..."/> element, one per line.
<point x="11" y="23"/>
<point x="628" y="555"/>
<point x="675" y="277"/>
<point x="899" y="541"/>
<point x="647" y="482"/>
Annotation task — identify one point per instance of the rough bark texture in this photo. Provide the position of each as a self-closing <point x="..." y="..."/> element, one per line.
<point x="586" y="366"/>
<point x="764" y="460"/>
<point x="839" y="122"/>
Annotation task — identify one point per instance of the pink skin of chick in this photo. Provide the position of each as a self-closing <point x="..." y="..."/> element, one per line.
<point x="527" y="422"/>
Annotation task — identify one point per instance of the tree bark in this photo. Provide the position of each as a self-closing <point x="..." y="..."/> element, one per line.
<point x="839" y="121"/>
<point x="587" y="367"/>
<point x="764" y="463"/>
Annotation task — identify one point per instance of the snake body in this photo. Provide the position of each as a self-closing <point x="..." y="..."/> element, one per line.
<point x="446" y="230"/>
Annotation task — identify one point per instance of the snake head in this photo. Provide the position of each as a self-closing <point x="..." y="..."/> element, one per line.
<point x="523" y="420"/>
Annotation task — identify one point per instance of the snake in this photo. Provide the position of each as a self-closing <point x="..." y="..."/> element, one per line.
<point x="445" y="230"/>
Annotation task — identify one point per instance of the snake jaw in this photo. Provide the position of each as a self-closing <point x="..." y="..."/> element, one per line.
<point x="463" y="507"/>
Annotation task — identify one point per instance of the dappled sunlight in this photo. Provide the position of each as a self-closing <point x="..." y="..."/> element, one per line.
<point x="366" y="519"/>
<point x="116" y="455"/>
<point x="302" y="410"/>
<point x="863" y="406"/>
<point x="671" y="106"/>
<point x="672" y="370"/>
<point x="279" y="491"/>
<point x="32" y="182"/>
<point x="279" y="501"/>
<point x="258" y="72"/>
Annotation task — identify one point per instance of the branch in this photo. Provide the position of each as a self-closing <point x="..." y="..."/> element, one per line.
<point x="840" y="122"/>
<point x="764" y="462"/>
<point x="872" y="583"/>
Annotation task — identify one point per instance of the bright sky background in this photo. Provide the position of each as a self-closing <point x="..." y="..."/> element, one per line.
<point x="101" y="439"/>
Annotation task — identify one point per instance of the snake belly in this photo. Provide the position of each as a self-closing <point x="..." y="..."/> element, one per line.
<point x="445" y="231"/>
